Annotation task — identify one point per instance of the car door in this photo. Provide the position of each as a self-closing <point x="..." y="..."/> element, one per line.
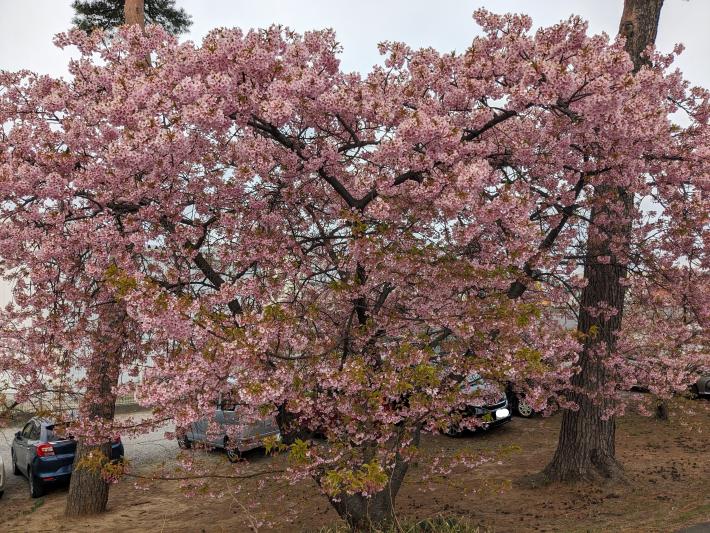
<point x="32" y="442"/>
<point x="22" y="445"/>
<point x="224" y="416"/>
<point x="198" y="431"/>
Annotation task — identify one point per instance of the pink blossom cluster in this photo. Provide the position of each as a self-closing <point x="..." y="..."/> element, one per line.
<point x="337" y="249"/>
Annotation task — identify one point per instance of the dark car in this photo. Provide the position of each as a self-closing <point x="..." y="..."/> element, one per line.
<point x="43" y="453"/>
<point x="491" y="414"/>
<point x="702" y="386"/>
<point x="518" y="403"/>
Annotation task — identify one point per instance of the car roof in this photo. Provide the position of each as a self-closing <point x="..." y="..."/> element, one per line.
<point x="43" y="422"/>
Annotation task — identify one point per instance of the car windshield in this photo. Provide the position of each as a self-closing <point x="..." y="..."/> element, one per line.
<point x="475" y="382"/>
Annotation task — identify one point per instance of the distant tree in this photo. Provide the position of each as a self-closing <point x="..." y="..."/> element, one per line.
<point x="108" y="14"/>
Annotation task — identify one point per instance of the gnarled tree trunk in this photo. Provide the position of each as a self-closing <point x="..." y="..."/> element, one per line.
<point x="586" y="447"/>
<point x="376" y="512"/>
<point x="88" y="491"/>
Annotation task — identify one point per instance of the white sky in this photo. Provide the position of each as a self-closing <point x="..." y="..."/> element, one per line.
<point x="27" y="26"/>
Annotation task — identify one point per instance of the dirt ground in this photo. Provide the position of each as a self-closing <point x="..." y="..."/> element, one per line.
<point x="667" y="466"/>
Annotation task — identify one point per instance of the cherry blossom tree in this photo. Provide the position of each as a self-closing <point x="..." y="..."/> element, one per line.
<point x="342" y="251"/>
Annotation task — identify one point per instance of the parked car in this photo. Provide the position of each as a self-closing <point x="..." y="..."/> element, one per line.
<point x="2" y="477"/>
<point x="494" y="414"/>
<point x="702" y="386"/>
<point x="249" y="437"/>
<point x="43" y="453"/>
<point x="518" y="404"/>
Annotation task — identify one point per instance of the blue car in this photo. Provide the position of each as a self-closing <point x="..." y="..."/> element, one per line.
<point x="44" y="454"/>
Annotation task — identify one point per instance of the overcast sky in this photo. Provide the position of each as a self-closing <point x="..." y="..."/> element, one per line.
<point x="27" y="26"/>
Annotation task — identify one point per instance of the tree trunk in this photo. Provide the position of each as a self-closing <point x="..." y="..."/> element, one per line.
<point x="88" y="492"/>
<point x="639" y="25"/>
<point x="376" y="512"/>
<point x="662" y="409"/>
<point x="586" y="446"/>
<point x="289" y="427"/>
<point x="134" y="13"/>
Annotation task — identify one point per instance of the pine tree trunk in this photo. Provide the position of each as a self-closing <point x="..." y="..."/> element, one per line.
<point x="586" y="446"/>
<point x="134" y="13"/>
<point x="88" y="492"/>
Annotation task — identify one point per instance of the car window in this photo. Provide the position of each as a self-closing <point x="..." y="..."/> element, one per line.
<point x="475" y="382"/>
<point x="34" y="433"/>
<point x="27" y="430"/>
<point x="57" y="432"/>
<point x="227" y="402"/>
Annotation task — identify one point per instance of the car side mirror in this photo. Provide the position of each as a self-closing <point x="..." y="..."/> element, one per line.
<point x="18" y="434"/>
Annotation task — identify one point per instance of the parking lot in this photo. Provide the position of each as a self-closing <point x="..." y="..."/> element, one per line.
<point x="147" y="449"/>
<point x="666" y="465"/>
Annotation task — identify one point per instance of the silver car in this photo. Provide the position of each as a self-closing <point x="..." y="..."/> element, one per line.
<point x="249" y="436"/>
<point x="2" y="477"/>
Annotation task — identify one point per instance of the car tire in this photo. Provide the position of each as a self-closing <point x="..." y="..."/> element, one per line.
<point x="184" y="443"/>
<point x="2" y="492"/>
<point x="524" y="409"/>
<point x="452" y="431"/>
<point x="233" y="454"/>
<point x="15" y="469"/>
<point x="36" y="485"/>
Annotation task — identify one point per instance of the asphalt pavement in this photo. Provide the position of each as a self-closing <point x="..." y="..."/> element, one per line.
<point x="150" y="448"/>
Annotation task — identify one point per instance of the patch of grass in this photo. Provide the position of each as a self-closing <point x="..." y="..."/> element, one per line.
<point x="36" y="505"/>
<point x="439" y="524"/>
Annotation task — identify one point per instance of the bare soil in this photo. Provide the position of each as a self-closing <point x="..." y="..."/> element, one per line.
<point x="667" y="468"/>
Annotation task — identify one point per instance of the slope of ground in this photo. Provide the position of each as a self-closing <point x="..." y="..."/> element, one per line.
<point x="667" y="466"/>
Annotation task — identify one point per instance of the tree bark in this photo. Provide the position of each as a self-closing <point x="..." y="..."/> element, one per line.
<point x="586" y="446"/>
<point x="88" y="492"/>
<point x="289" y="426"/>
<point x="134" y="13"/>
<point x="377" y="511"/>
<point x="639" y="25"/>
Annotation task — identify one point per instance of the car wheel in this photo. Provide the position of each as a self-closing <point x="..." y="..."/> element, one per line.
<point x="15" y="469"/>
<point x="2" y="492"/>
<point x="184" y="443"/>
<point x="233" y="455"/>
<point x="452" y="431"/>
<point x="524" y="409"/>
<point x="36" y="486"/>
